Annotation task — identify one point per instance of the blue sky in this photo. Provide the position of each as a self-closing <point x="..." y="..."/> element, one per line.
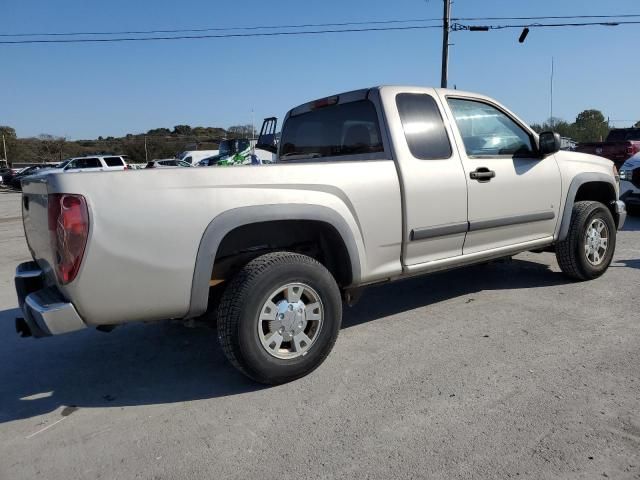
<point x="86" y="90"/>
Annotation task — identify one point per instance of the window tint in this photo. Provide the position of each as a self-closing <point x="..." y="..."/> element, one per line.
<point x="423" y="126"/>
<point x="337" y="130"/>
<point x="113" y="161"/>
<point x="486" y="131"/>
<point x="86" y="163"/>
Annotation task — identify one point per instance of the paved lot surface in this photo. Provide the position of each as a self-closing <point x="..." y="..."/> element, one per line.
<point x="501" y="371"/>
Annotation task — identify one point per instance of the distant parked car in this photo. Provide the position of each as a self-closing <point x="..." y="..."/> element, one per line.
<point x="194" y="156"/>
<point x="3" y="172"/>
<point x="94" y="163"/>
<point x="14" y="180"/>
<point x="630" y="184"/>
<point x="620" y="145"/>
<point x="167" y="163"/>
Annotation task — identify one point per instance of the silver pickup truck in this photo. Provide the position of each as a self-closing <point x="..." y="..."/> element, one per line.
<point x="370" y="186"/>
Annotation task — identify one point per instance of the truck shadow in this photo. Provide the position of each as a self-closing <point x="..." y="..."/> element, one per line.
<point x="384" y="300"/>
<point x="632" y="224"/>
<point x="168" y="363"/>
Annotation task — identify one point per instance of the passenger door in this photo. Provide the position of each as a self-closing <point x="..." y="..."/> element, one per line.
<point x="514" y="194"/>
<point x="434" y="189"/>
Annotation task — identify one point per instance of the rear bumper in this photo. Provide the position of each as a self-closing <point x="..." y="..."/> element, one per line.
<point x="45" y="310"/>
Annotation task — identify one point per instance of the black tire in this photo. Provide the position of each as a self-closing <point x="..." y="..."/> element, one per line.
<point x="241" y="305"/>
<point x="570" y="252"/>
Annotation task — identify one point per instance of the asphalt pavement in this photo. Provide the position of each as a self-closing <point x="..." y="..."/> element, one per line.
<point x="507" y="370"/>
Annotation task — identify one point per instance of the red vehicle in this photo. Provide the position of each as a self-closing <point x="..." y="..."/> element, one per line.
<point x="619" y="146"/>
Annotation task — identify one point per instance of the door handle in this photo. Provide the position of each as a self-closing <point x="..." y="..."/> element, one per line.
<point x="482" y="174"/>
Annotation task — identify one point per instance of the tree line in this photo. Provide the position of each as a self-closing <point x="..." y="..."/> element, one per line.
<point x="589" y="126"/>
<point x="154" y="144"/>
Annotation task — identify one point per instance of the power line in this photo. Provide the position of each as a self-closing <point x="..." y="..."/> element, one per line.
<point x="455" y="27"/>
<point x="557" y="17"/>
<point x="222" y="29"/>
<point x="458" y="26"/>
<point x="307" y="25"/>
<point x="229" y="35"/>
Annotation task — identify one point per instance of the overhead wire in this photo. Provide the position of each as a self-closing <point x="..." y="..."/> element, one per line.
<point x="455" y="26"/>
<point x="306" y="25"/>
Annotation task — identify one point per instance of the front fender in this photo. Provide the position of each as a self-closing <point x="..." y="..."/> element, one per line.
<point x="577" y="181"/>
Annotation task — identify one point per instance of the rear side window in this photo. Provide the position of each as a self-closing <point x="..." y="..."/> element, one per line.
<point x="333" y="131"/>
<point x="86" y="163"/>
<point x="423" y="126"/>
<point x="113" y="161"/>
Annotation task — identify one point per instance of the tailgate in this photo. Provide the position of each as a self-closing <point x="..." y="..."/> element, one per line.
<point x="36" y="222"/>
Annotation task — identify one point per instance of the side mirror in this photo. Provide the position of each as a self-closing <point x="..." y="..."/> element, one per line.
<point x="267" y="139"/>
<point x="549" y="143"/>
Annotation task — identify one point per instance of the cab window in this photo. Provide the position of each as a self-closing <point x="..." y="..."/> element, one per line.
<point x="337" y="130"/>
<point x="489" y="132"/>
<point x="423" y="127"/>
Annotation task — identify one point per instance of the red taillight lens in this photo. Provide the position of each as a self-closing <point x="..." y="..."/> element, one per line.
<point x="68" y="231"/>
<point x="324" y="102"/>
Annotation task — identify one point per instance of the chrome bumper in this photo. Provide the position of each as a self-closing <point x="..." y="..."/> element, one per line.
<point x="45" y="310"/>
<point x="621" y="213"/>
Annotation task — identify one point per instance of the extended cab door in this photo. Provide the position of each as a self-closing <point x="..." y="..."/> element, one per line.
<point x="514" y="194"/>
<point x="434" y="189"/>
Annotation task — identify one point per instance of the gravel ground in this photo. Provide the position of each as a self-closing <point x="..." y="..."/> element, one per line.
<point x="506" y="370"/>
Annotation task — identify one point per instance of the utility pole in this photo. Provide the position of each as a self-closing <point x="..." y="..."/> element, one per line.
<point x="551" y="107"/>
<point x="446" y="19"/>
<point x="146" y="153"/>
<point x="4" y="146"/>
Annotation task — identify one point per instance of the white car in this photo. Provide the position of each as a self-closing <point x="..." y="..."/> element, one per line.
<point x="167" y="163"/>
<point x="630" y="184"/>
<point x="94" y="163"/>
<point x="194" y="156"/>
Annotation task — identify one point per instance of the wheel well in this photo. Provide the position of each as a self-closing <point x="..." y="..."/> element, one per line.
<point x="602" y="192"/>
<point x="317" y="239"/>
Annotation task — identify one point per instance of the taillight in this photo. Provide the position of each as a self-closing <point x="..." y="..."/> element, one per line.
<point x="68" y="233"/>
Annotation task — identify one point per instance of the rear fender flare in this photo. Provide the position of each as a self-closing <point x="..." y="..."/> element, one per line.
<point x="224" y="223"/>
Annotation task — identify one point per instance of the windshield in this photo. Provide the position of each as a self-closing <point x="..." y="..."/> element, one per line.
<point x="63" y="164"/>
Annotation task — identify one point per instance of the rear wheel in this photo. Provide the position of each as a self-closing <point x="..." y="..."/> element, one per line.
<point x="588" y="249"/>
<point x="279" y="317"/>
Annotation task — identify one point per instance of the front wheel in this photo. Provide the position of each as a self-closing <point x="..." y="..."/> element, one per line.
<point x="279" y="317"/>
<point x="588" y="249"/>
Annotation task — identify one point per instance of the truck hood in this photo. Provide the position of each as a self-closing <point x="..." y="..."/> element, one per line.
<point x="583" y="158"/>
